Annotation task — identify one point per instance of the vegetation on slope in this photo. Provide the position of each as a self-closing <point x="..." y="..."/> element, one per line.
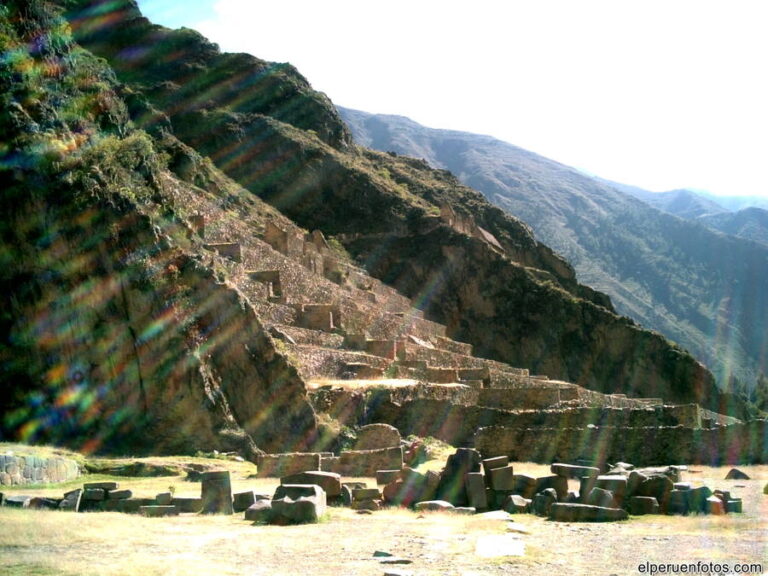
<point x="384" y="209"/>
<point x="699" y="288"/>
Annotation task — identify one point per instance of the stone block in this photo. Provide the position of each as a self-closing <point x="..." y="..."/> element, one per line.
<point x="640" y="505"/>
<point x="563" y="512"/>
<point x="634" y="480"/>
<point x="677" y="502"/>
<point x="94" y="494"/>
<point x="259" y="511"/>
<point x="383" y="349"/>
<point x="682" y="486"/>
<point x="330" y="482"/>
<point x="128" y="506"/>
<point x="451" y="487"/>
<point x="241" y="501"/>
<point x="714" y="505"/>
<point x="216" y="492"/>
<point x="475" y="486"/>
<point x="558" y="483"/>
<point x="100" y="486"/>
<point x="434" y="506"/>
<point x="573" y="470"/>
<point x="697" y="498"/>
<point x="516" y="504"/>
<point x="377" y="437"/>
<point x="304" y="510"/>
<point x="193" y="505"/>
<point x="659" y="486"/>
<point x="296" y="491"/>
<point x="72" y="500"/>
<point x="491" y="463"/>
<point x="543" y="501"/>
<point x="158" y="511"/>
<point x="503" y="479"/>
<point x="441" y="375"/>
<point x="384" y="477"/>
<point x="164" y="499"/>
<point x="40" y="503"/>
<point x="736" y="474"/>
<point x="119" y="494"/>
<point x="17" y="501"/>
<point x="601" y="497"/>
<point x="370" y="505"/>
<point x="733" y="506"/>
<point x="525" y="485"/>
<point x="367" y="462"/>
<point x="366" y="494"/>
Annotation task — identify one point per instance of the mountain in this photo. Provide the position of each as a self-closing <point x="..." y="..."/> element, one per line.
<point x="698" y="287"/>
<point x="750" y="223"/>
<point x="683" y="203"/>
<point x="190" y="238"/>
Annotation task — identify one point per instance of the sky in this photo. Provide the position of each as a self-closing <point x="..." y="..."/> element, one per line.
<point x="657" y="94"/>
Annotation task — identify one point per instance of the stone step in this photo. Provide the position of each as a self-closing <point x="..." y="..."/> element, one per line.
<point x="318" y="363"/>
<point x="316" y="338"/>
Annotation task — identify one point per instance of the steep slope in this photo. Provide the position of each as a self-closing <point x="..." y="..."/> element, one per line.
<point x="523" y="305"/>
<point x="748" y="224"/>
<point x="698" y="287"/>
<point x="683" y="203"/>
<point x="115" y="334"/>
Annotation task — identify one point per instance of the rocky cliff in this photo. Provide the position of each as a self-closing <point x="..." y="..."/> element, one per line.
<point x="122" y="329"/>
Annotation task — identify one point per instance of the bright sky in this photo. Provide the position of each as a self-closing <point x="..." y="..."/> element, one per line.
<point x="658" y="94"/>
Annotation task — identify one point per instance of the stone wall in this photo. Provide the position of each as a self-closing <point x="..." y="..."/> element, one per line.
<point x="648" y="446"/>
<point x="19" y="470"/>
<point x="519" y="398"/>
<point x="277" y="465"/>
<point x="365" y="462"/>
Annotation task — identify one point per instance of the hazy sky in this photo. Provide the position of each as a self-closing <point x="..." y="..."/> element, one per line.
<point x="659" y="94"/>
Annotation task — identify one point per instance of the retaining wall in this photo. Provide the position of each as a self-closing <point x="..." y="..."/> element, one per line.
<point x="20" y="470"/>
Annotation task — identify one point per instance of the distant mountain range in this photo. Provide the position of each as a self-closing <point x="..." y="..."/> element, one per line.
<point x="701" y="288"/>
<point x="742" y="216"/>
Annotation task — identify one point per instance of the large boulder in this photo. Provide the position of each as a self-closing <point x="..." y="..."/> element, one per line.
<point x="458" y="465"/>
<point x="330" y="482"/>
<point x="377" y="436"/>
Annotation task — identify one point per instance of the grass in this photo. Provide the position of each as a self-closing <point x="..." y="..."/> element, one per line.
<point x="112" y="544"/>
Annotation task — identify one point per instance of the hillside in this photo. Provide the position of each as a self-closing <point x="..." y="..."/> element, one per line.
<point x="156" y="302"/>
<point x="693" y="285"/>
<point x="748" y="224"/>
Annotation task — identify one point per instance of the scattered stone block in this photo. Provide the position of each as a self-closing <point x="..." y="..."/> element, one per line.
<point x="216" y="492"/>
<point x="714" y="505"/>
<point x="733" y="506"/>
<point x="601" y="497"/>
<point x="260" y="511"/>
<point x="72" y="500"/>
<point x="503" y="478"/>
<point x="678" y="502"/>
<point x="525" y="485"/>
<point x="100" y="486"/>
<point x="459" y="464"/>
<point x="659" y="486"/>
<point x="40" y="503"/>
<point x="641" y="505"/>
<point x="384" y="477"/>
<point x="366" y="494"/>
<point x="573" y="470"/>
<point x="17" y="501"/>
<point x="682" y="486"/>
<point x="697" y="498"/>
<point x="330" y="482"/>
<point x="563" y="512"/>
<point x="634" y="480"/>
<point x="543" y="501"/>
<point x="491" y="463"/>
<point x="119" y="494"/>
<point x="736" y="474"/>
<point x="434" y="506"/>
<point x="164" y="499"/>
<point x="188" y="505"/>
<point x="616" y="484"/>
<point x="241" y="501"/>
<point x="475" y="485"/>
<point x="94" y="494"/>
<point x="367" y="462"/>
<point x="557" y="483"/>
<point x="516" y="504"/>
<point x="304" y="510"/>
<point x="158" y="511"/>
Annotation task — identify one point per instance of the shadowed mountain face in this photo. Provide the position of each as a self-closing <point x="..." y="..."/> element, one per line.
<point x="698" y="287"/>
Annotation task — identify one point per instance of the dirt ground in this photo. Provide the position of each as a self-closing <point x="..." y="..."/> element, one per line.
<point x="345" y="542"/>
